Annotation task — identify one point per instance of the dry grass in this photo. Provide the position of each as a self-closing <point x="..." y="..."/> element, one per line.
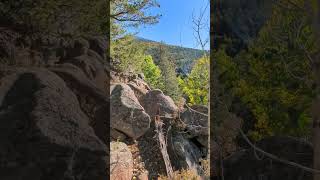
<point x="205" y="164"/>
<point x="182" y="175"/>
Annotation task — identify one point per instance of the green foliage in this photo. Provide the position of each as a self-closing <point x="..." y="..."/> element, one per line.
<point x="124" y="48"/>
<point x="168" y="73"/>
<point x="57" y="17"/>
<point x="184" y="58"/>
<point x="133" y="12"/>
<point x="273" y="77"/>
<point x="196" y="85"/>
<point x="129" y="52"/>
<point x="152" y="73"/>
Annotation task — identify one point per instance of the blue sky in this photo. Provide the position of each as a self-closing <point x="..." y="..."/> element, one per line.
<point x="175" y="27"/>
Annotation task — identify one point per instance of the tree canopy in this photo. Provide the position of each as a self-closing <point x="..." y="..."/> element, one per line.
<point x="272" y="78"/>
<point x="196" y="85"/>
<point x="56" y="17"/>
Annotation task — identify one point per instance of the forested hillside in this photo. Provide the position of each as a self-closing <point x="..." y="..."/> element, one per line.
<point x="267" y="79"/>
<point x="183" y="57"/>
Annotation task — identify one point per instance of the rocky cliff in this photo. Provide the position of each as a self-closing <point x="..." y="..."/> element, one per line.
<point x="56" y="104"/>
<point x="54" y="108"/>
<point x="134" y="107"/>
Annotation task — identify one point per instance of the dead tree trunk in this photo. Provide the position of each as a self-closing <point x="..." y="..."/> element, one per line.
<point x="163" y="146"/>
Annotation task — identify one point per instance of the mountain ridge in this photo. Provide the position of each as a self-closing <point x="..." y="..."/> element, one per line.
<point x="183" y="57"/>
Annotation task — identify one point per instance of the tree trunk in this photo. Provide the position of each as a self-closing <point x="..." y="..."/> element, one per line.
<point x="163" y="146"/>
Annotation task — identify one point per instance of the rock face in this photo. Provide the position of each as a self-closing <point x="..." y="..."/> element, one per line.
<point x="127" y="115"/>
<point x="155" y="102"/>
<point x="184" y="154"/>
<point x="245" y="165"/>
<point x="93" y="101"/>
<point x="55" y="109"/>
<point x="121" y="162"/>
<point x="93" y="68"/>
<point x="44" y="133"/>
<point x="99" y="45"/>
<point x="197" y="123"/>
<point x="138" y="91"/>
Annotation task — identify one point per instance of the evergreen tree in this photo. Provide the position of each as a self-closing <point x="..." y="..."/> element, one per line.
<point x="129" y="53"/>
<point x="124" y="48"/>
<point x="168" y="72"/>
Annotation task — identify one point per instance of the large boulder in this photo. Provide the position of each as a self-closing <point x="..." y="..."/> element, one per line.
<point x="93" y="68"/>
<point x="44" y="133"/>
<point x="139" y="87"/>
<point x="141" y="83"/>
<point x="184" y="154"/>
<point x="138" y="91"/>
<point x="99" y="44"/>
<point x="121" y="161"/>
<point x="127" y="115"/>
<point x="93" y="101"/>
<point x="78" y="47"/>
<point x="116" y="135"/>
<point x="248" y="164"/>
<point x="156" y="103"/>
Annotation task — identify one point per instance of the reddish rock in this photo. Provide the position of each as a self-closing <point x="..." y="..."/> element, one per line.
<point x="121" y="161"/>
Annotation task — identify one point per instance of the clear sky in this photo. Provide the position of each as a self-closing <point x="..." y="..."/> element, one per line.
<point x="175" y="27"/>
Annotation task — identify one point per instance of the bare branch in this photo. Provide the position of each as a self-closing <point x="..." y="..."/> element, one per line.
<point x="274" y="157"/>
<point x="199" y="24"/>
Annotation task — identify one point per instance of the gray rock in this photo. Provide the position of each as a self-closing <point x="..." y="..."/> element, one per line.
<point x="155" y="102"/>
<point x="127" y="115"/>
<point x="117" y="135"/>
<point x="184" y="154"/>
<point x="93" y="69"/>
<point x="138" y="90"/>
<point x="197" y="115"/>
<point x="99" y="45"/>
<point x="196" y="120"/>
<point x="93" y="102"/>
<point x="141" y="76"/>
<point x="76" y="48"/>
<point x="44" y="133"/>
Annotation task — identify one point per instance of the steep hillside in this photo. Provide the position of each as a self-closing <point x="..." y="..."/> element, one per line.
<point x="183" y="57"/>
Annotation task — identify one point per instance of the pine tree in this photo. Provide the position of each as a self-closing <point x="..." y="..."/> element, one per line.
<point x="169" y="77"/>
<point x="127" y="54"/>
